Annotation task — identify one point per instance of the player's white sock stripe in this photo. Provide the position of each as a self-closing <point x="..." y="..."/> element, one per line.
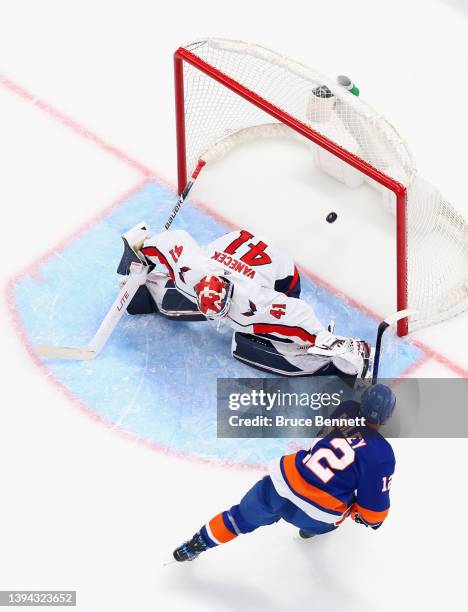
<point x="234" y="524"/>
<point x="210" y="535"/>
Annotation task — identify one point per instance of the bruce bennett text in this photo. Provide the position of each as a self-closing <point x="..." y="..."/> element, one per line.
<point x="282" y="421"/>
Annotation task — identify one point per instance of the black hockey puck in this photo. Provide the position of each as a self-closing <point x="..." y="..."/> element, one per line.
<point x="332" y="217"/>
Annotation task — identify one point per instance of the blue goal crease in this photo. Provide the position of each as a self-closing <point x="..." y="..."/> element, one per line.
<point x="157" y="378"/>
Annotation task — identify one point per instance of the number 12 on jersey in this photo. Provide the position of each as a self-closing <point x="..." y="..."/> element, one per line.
<point x="331" y="461"/>
<point x="386" y="482"/>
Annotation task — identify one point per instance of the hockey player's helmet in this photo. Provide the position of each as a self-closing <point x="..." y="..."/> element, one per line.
<point x="377" y="404"/>
<point x="214" y="294"/>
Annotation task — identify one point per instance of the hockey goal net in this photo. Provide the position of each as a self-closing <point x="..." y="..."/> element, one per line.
<point x="231" y="91"/>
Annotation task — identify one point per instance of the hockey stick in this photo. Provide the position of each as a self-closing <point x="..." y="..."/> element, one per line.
<point x="137" y="277"/>
<point x="128" y="291"/>
<point x="183" y="196"/>
<point x="386" y="323"/>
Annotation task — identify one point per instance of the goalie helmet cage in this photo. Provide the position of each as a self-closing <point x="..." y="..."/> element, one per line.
<point x="231" y="91"/>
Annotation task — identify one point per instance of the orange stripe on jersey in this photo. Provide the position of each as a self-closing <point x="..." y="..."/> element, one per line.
<point x="219" y="529"/>
<point x="301" y="487"/>
<point x="371" y="516"/>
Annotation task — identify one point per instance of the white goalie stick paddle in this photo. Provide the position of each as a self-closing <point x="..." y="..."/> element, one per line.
<point x="386" y="323"/>
<point x="137" y="277"/>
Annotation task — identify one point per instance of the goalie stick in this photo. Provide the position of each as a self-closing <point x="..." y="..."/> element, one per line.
<point x="137" y="277"/>
<point x="94" y="347"/>
<point x="384" y="325"/>
<point x="128" y="291"/>
<point x="183" y="196"/>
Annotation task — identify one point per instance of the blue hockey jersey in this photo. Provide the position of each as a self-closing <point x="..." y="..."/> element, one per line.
<point x="349" y="470"/>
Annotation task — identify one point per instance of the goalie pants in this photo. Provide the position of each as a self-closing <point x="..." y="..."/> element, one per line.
<point x="261" y="505"/>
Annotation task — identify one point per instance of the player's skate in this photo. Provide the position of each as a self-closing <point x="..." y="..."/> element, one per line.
<point x="306" y="535"/>
<point x="190" y="550"/>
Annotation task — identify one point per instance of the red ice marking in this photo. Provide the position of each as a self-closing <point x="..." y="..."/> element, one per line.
<point x="84" y="132"/>
<point x="33" y="267"/>
<point x="58" y="384"/>
<point x="73" y="125"/>
<point x="429" y="353"/>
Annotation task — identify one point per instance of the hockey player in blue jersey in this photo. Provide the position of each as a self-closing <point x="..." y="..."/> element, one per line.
<point x="345" y="473"/>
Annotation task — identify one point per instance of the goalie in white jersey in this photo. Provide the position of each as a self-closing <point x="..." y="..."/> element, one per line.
<point x="242" y="281"/>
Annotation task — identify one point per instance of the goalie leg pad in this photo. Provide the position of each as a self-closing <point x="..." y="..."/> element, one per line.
<point x="267" y="356"/>
<point x="175" y="305"/>
<point x="170" y="302"/>
<point x="142" y="302"/>
<point x="160" y="296"/>
<point x="280" y="358"/>
<point x="261" y="354"/>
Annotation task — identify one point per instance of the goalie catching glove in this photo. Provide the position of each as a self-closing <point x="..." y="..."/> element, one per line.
<point x="346" y="353"/>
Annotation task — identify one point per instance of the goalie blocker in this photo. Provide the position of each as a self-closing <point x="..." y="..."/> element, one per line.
<point x="273" y="330"/>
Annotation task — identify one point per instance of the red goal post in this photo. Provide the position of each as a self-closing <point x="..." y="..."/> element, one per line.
<point x="226" y="63"/>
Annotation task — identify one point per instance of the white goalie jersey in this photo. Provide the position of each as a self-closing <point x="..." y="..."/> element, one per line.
<point x="285" y="335"/>
<point x="255" y="258"/>
<point x="262" y="276"/>
<point x="239" y="255"/>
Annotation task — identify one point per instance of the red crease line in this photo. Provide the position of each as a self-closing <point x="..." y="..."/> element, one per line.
<point x="119" y="154"/>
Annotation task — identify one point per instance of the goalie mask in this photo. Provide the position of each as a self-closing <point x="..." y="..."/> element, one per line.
<point x="214" y="294"/>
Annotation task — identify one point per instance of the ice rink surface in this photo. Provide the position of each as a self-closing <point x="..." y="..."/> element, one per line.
<point x="87" y="143"/>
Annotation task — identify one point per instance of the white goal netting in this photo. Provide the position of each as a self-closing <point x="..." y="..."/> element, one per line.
<point x="435" y="261"/>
